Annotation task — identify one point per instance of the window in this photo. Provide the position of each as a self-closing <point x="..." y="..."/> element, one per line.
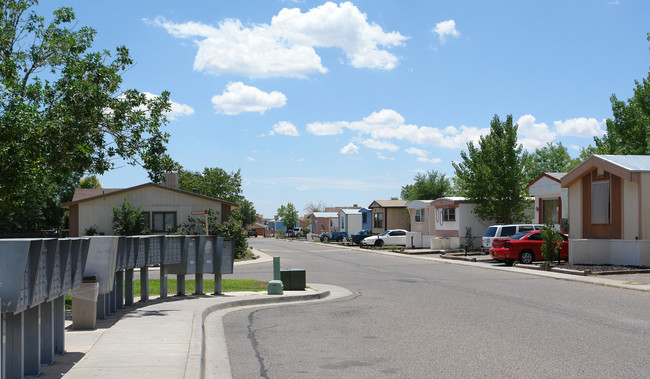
<point x="419" y="215"/>
<point x="342" y="222"/>
<point x="378" y="220"/>
<point x="449" y="214"/>
<point x="535" y="237"/>
<point x="163" y="221"/>
<point x="525" y="228"/>
<point x="364" y="217"/>
<point x="600" y="203"/>
<point x="551" y="209"/>
<point x="508" y="231"/>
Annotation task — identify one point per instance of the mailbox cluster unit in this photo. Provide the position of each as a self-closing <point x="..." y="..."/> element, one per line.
<point x="113" y="260"/>
<point x="35" y="276"/>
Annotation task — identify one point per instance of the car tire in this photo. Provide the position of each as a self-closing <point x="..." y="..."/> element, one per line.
<point x="339" y="239"/>
<point x="526" y="257"/>
<point x="379" y="243"/>
<point x="324" y="239"/>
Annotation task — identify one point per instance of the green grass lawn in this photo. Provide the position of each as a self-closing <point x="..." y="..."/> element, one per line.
<point x="227" y="285"/>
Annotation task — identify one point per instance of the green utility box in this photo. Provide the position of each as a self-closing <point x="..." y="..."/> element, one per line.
<point x="293" y="279"/>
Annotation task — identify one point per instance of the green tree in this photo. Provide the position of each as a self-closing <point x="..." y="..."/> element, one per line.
<point x="552" y="241"/>
<point x="550" y="158"/>
<point x="430" y="186"/>
<point x="62" y="112"/>
<point x="231" y="228"/>
<point x="128" y="221"/>
<point x="491" y="175"/>
<point x="90" y="182"/>
<point x="629" y="132"/>
<point x="246" y="213"/>
<point x="214" y="182"/>
<point x="288" y="214"/>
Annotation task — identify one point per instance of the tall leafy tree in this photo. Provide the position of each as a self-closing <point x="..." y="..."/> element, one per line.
<point x="430" y="186"/>
<point x="628" y="132"/>
<point x="62" y="112"/>
<point x="288" y="214"/>
<point x="492" y="174"/>
<point x="245" y="213"/>
<point x="550" y="158"/>
<point x="214" y="182"/>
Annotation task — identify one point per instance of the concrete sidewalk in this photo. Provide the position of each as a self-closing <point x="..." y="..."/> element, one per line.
<point x="166" y="338"/>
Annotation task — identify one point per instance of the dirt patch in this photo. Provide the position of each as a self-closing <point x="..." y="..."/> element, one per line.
<point x="602" y="269"/>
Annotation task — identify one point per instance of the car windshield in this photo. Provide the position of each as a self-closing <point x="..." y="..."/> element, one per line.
<point x="384" y="233"/>
<point x="490" y="232"/>
<point x="519" y="236"/>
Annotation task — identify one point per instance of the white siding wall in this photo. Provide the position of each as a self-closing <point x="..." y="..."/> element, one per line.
<point x="148" y="199"/>
<point x="354" y="223"/>
<point x="470" y="220"/>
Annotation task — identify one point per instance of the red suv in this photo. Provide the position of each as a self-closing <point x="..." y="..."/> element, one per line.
<point x="525" y="247"/>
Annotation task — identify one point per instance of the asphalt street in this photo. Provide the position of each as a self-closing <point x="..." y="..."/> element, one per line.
<point x="411" y="318"/>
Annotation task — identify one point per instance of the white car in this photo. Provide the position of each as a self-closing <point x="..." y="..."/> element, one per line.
<point x="389" y="237"/>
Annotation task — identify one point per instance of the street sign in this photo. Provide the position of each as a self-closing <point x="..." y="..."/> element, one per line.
<point x="203" y="212"/>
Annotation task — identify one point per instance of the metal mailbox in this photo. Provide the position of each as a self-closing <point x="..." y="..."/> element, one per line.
<point x="173" y="249"/>
<point x="189" y="255"/>
<point x="227" y="256"/>
<point x="35" y="275"/>
<point x="154" y="253"/>
<point x="102" y="261"/>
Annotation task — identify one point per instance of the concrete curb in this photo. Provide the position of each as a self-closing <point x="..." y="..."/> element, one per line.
<point x="208" y="360"/>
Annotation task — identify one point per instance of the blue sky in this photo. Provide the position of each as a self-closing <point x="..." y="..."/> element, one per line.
<point x="344" y="103"/>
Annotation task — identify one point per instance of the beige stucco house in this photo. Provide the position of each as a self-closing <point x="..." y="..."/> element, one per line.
<point x="609" y="210"/>
<point x="389" y="214"/>
<point x="163" y="207"/>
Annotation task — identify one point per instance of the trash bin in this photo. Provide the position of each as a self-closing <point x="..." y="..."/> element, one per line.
<point x="293" y="279"/>
<point x="84" y="304"/>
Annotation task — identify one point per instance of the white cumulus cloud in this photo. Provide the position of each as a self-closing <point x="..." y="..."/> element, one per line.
<point x="423" y="155"/>
<point x="446" y="29"/>
<point x="533" y="135"/>
<point x="380" y="145"/>
<point x="326" y="128"/>
<point x="389" y="124"/>
<point x="285" y="128"/>
<point x="286" y="46"/>
<point x="238" y="98"/>
<point x="350" y="149"/>
<point x="580" y="127"/>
